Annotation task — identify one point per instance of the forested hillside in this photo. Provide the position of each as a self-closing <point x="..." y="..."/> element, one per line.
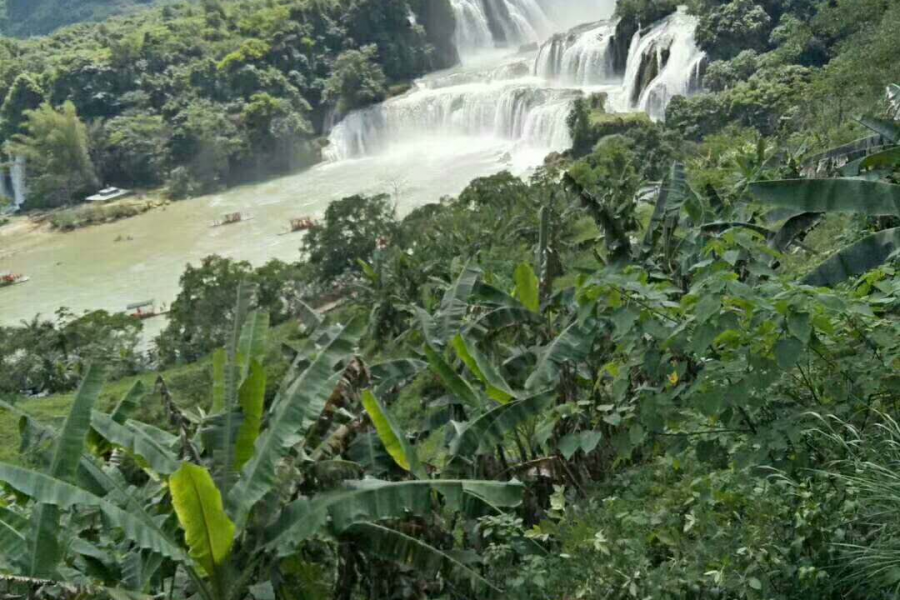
<point x="23" y="18"/>
<point x="202" y="96"/>
<point x="665" y="366"/>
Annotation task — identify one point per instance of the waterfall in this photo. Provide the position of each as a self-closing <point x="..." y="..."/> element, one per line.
<point x="486" y="24"/>
<point x="518" y="110"/>
<point x="12" y="182"/>
<point x="580" y="57"/>
<point x="662" y="63"/>
<point x="473" y="31"/>
<point x="17" y="172"/>
<point x="522" y="100"/>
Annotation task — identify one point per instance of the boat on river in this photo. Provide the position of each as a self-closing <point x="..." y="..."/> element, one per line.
<point x="145" y="310"/>
<point x="11" y="279"/>
<point x="231" y="219"/>
<point x="300" y="224"/>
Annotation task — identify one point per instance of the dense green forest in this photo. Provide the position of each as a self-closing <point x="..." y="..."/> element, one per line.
<point x="23" y="18"/>
<point x="201" y="96"/>
<point x="667" y="366"/>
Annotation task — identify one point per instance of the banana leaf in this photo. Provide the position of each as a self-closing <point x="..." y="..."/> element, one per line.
<point x="293" y="412"/>
<point x="394" y="545"/>
<point x="392" y="436"/>
<point x="160" y="458"/>
<point x="482" y="435"/>
<point x="375" y="500"/>
<point x="455" y="384"/>
<point x="454" y="305"/>
<point x="253" y="341"/>
<point x="13" y="529"/>
<point x="886" y="129"/>
<point x="528" y="288"/>
<point x="793" y="228"/>
<point x="208" y="531"/>
<point x="870" y="198"/>
<point x="394" y="373"/>
<point x="483" y="369"/>
<point x="129" y="403"/>
<point x="252" y="398"/>
<point x="571" y="346"/>
<point x="853" y="150"/>
<point x="669" y="199"/>
<point x="44" y="552"/>
<point x="722" y="226"/>
<point x="863" y="256"/>
<point x="48" y="490"/>
<point x="248" y="345"/>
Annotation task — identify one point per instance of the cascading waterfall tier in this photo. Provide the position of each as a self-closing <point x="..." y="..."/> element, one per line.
<point x="523" y="100"/>
<point x="518" y="110"/>
<point x="580" y="57"/>
<point x="485" y="24"/>
<point x="663" y="62"/>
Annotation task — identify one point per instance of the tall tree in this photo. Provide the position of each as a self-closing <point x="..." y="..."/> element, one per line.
<point x="24" y="95"/>
<point x="56" y="147"/>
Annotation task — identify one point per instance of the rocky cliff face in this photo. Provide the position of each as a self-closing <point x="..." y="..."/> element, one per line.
<point x="439" y="21"/>
<point x="497" y="14"/>
<point x="620" y="43"/>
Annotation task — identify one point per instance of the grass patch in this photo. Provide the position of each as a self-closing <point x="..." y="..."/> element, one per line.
<point x="398" y="89"/>
<point x="190" y="386"/>
<point x="626" y="120"/>
<point x="87" y="215"/>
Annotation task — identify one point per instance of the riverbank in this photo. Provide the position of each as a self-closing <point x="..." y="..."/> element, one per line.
<point x="86" y="215"/>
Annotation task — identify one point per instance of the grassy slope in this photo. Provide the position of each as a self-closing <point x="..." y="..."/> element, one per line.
<point x="182" y="383"/>
<point x="45" y="16"/>
<point x="189" y="385"/>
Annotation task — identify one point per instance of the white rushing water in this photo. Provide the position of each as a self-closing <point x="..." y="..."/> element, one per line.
<point x="504" y="108"/>
<point x="521" y="98"/>
<point x="671" y="53"/>
<point x="663" y="62"/>
<point x="485" y="24"/>
<point x="581" y="57"/>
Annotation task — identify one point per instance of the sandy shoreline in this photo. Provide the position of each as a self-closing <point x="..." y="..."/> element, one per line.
<point x="23" y="232"/>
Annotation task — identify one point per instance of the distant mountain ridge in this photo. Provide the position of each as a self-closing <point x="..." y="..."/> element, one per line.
<point x="24" y="18"/>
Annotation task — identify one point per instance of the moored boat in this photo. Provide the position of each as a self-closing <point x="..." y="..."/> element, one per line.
<point x="10" y="279"/>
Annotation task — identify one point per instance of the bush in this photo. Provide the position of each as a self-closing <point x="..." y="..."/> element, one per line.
<point x="51" y="357"/>
<point x="739" y="25"/>
<point x="356" y="81"/>
<point x="182" y="184"/>
<point x="763" y="102"/>
<point x="669" y="530"/>
<point x="201" y="317"/>
<point x="724" y="74"/>
<point x="349" y="233"/>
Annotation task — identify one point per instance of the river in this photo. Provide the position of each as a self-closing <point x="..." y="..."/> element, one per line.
<point x="501" y="109"/>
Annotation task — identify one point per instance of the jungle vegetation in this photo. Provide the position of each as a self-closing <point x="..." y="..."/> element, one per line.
<point x="200" y="95"/>
<point x="665" y="366"/>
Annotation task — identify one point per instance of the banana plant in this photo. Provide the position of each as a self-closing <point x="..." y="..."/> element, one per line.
<point x="814" y="197"/>
<point x="221" y="492"/>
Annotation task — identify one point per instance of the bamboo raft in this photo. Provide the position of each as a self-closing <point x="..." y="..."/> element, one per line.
<point x="300" y="224"/>
<point x="231" y="219"/>
<point x="144" y="310"/>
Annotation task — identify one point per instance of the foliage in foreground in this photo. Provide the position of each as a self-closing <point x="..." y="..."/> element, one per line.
<point x="237" y="495"/>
